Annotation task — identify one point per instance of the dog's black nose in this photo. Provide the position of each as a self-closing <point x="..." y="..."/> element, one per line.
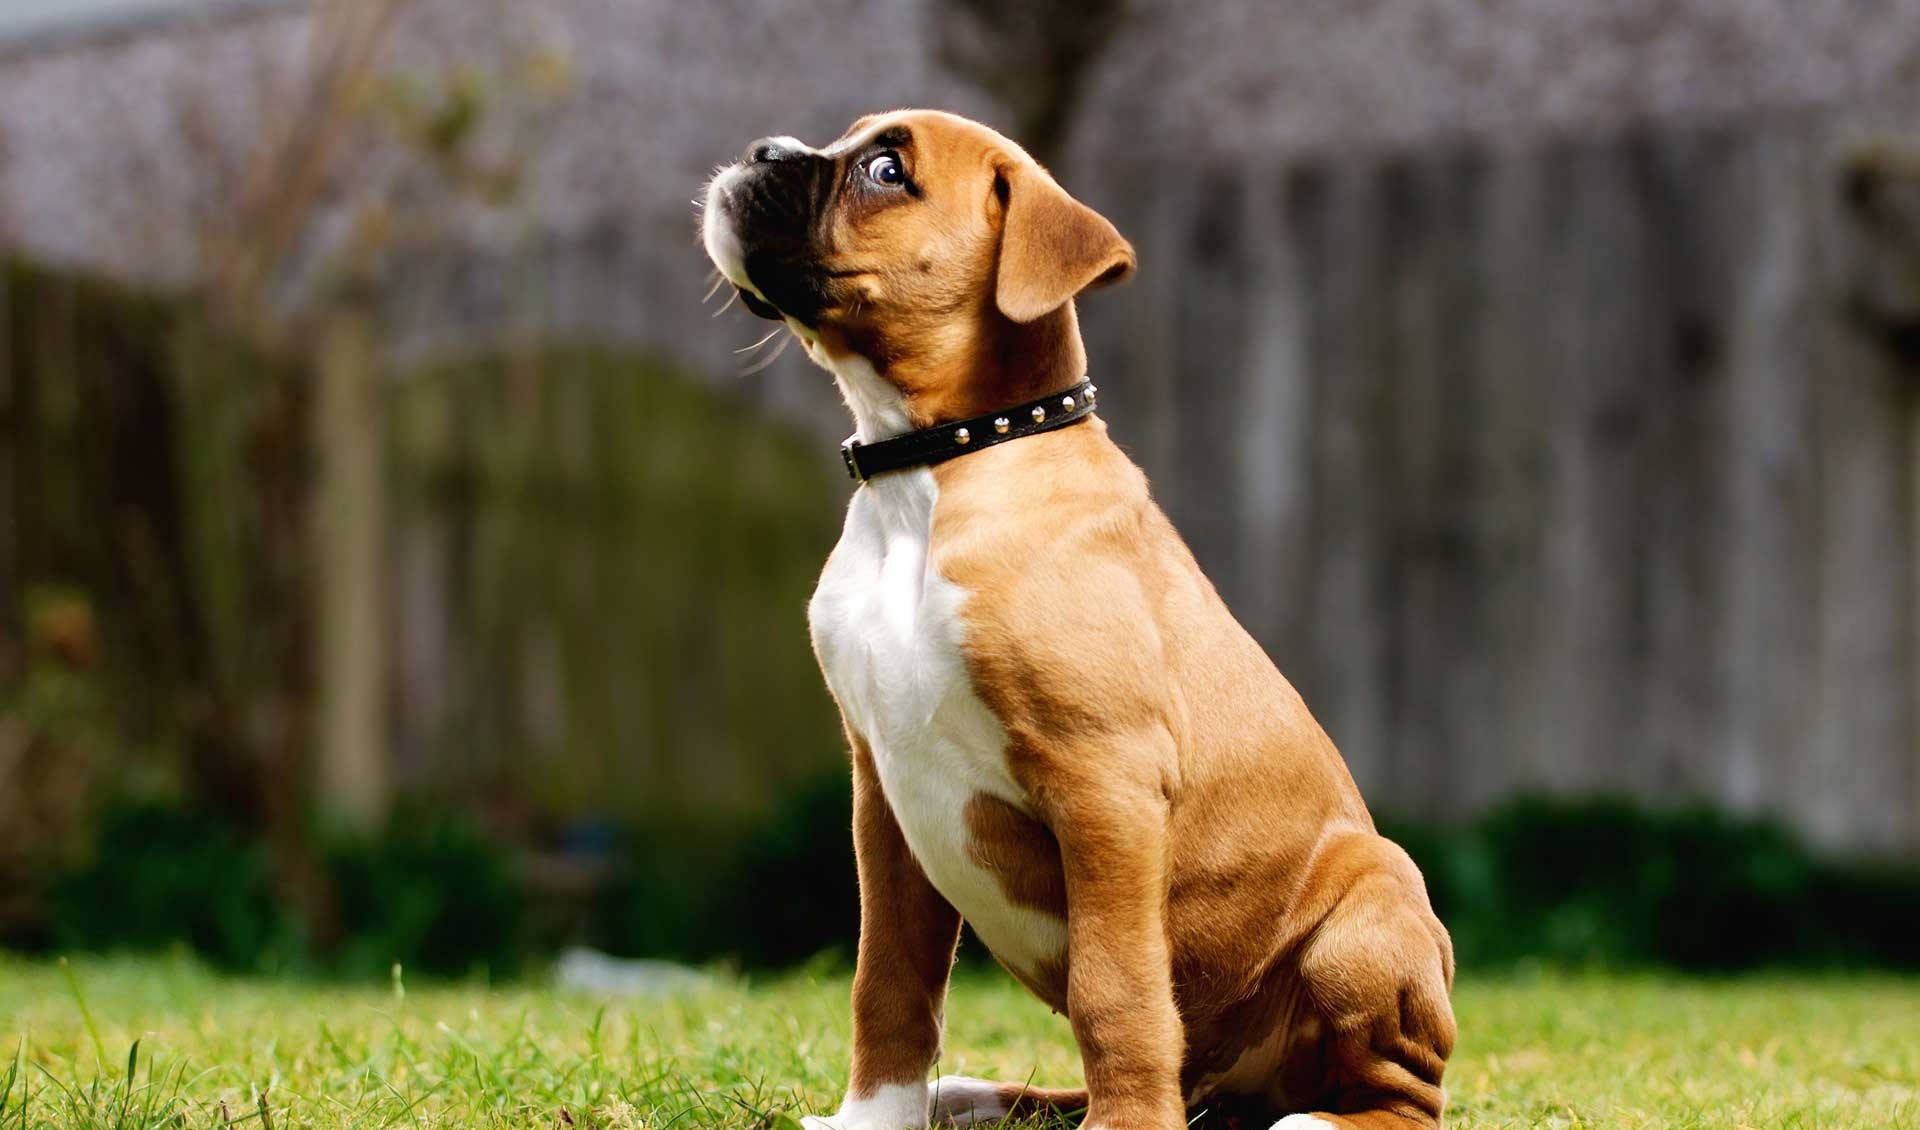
<point x="770" y="149"/>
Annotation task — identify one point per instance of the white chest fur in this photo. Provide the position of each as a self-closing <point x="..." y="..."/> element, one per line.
<point x="887" y="628"/>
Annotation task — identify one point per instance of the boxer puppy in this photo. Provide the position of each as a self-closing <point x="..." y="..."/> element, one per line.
<point x="1058" y="731"/>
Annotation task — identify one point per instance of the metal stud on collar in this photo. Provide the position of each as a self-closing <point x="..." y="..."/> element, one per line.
<point x="1001" y="424"/>
<point x="1039" y="414"/>
<point x="962" y="436"/>
<point x="1066" y="403"/>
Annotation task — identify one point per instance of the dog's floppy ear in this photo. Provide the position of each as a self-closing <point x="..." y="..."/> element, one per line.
<point x="1052" y="247"/>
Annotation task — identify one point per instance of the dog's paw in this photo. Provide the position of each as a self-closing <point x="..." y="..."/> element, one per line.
<point x="900" y="1106"/>
<point x="847" y="1122"/>
<point x="856" y="1121"/>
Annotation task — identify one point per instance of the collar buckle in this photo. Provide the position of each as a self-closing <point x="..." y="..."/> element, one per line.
<point x="846" y="456"/>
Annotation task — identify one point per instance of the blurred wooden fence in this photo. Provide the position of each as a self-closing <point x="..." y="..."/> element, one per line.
<point x="567" y="607"/>
<point x="599" y="584"/>
<point x="1580" y="466"/>
<point x="1577" y="465"/>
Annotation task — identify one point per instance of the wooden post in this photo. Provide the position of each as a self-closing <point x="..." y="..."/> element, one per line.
<point x="1856" y="784"/>
<point x="10" y="428"/>
<point x="1911" y="844"/>
<point x="351" y="754"/>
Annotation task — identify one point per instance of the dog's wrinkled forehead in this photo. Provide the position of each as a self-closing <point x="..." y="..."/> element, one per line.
<point x="909" y="128"/>
<point x="874" y="129"/>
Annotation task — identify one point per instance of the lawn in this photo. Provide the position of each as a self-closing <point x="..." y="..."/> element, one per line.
<point x="1547" y="1050"/>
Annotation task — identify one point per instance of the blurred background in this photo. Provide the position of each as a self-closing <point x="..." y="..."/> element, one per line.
<point x="400" y="561"/>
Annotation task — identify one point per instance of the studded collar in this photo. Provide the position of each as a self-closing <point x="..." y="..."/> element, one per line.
<point x="947" y="441"/>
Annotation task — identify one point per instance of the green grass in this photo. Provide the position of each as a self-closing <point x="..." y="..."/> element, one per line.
<point x="205" y="1051"/>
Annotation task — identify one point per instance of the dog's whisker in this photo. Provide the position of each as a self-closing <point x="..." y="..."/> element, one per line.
<point x="771" y="334"/>
<point x="769" y="358"/>
<point x="728" y="304"/>
<point x="719" y="280"/>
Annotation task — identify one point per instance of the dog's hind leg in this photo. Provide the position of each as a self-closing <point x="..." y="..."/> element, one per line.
<point x="1378" y="971"/>
<point x="960" y="1100"/>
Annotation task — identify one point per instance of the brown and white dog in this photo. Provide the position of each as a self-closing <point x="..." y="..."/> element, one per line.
<point x="1058" y="731"/>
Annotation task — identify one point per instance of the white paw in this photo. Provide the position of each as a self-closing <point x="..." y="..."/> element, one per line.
<point x="845" y="1122"/>
<point x="896" y="1106"/>
<point x="962" y="1100"/>
<point x="1302" y="1122"/>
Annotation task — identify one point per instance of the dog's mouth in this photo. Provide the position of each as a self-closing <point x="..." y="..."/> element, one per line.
<point x="781" y="280"/>
<point x="760" y="307"/>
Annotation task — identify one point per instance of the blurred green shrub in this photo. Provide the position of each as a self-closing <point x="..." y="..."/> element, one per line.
<point x="1869" y="915"/>
<point x="161" y="876"/>
<point x="432" y="893"/>
<point x="794" y="891"/>
<point x="1606" y="881"/>
<point x="1569" y="882"/>
<point x="1599" y="881"/>
<point x="664" y="894"/>
<point x="776" y="892"/>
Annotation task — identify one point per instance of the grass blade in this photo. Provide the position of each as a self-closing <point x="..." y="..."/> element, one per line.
<point x="13" y="1073"/>
<point x="126" y="1085"/>
<point x="86" y="1015"/>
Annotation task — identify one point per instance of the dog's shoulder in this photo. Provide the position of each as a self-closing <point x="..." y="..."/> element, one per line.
<point x="1068" y="571"/>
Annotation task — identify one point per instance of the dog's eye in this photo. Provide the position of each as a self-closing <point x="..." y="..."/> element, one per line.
<point x="886" y="170"/>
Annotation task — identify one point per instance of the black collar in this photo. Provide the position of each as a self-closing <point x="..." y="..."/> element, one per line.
<point x="939" y="444"/>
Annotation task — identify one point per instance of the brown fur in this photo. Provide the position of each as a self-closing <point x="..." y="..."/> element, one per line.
<point x="1236" y="928"/>
<point x="1019" y="851"/>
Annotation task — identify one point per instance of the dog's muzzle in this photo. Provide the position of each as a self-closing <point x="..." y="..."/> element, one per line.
<point x="763" y="224"/>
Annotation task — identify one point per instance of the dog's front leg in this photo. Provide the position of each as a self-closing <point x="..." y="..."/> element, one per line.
<point x="1113" y="849"/>
<point x="907" y="937"/>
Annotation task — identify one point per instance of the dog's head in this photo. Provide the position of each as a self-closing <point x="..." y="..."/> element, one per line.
<point x="921" y="251"/>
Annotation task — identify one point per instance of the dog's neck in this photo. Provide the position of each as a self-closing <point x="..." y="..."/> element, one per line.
<point x="1014" y="363"/>
<point x="1004" y="363"/>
